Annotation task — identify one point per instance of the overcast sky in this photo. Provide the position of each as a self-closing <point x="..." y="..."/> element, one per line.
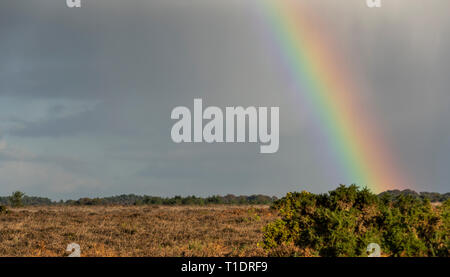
<point x="86" y="94"/>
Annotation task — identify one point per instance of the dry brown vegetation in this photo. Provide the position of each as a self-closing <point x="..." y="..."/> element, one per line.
<point x="135" y="231"/>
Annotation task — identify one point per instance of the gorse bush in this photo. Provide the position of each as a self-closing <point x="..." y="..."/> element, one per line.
<point x="344" y="221"/>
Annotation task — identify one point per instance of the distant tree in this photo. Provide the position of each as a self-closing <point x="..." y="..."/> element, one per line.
<point x="16" y="199"/>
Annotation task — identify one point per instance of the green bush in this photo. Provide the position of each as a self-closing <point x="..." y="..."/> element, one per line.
<point x="344" y="221"/>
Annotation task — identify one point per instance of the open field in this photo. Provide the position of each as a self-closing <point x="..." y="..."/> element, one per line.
<point x="217" y="230"/>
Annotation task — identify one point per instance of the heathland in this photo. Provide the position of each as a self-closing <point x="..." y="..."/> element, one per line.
<point x="216" y="230"/>
<point x="342" y="222"/>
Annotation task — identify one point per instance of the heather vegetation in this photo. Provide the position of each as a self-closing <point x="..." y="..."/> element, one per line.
<point x="134" y="231"/>
<point x="344" y="221"/>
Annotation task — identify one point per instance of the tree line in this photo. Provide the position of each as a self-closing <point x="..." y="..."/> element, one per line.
<point x="20" y="199"/>
<point x="432" y="196"/>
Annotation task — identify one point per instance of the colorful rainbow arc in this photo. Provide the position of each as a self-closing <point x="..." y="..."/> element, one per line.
<point x="350" y="132"/>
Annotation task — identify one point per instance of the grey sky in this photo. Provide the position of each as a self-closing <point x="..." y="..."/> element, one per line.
<point x="86" y="94"/>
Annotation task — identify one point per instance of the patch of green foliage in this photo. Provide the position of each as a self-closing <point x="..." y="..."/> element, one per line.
<point x="344" y="221"/>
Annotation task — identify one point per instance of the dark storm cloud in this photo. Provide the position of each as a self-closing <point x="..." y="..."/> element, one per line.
<point x="122" y="66"/>
<point x="56" y="127"/>
<point x="46" y="52"/>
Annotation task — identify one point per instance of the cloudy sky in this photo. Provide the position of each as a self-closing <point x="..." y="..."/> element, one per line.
<point x="86" y="94"/>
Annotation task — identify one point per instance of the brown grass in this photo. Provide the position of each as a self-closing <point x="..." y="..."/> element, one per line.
<point x="135" y="231"/>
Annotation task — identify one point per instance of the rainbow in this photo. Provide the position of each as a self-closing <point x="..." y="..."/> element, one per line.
<point x="348" y="128"/>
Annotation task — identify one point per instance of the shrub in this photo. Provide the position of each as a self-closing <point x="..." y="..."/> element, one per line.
<point x="3" y="209"/>
<point x="344" y="221"/>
